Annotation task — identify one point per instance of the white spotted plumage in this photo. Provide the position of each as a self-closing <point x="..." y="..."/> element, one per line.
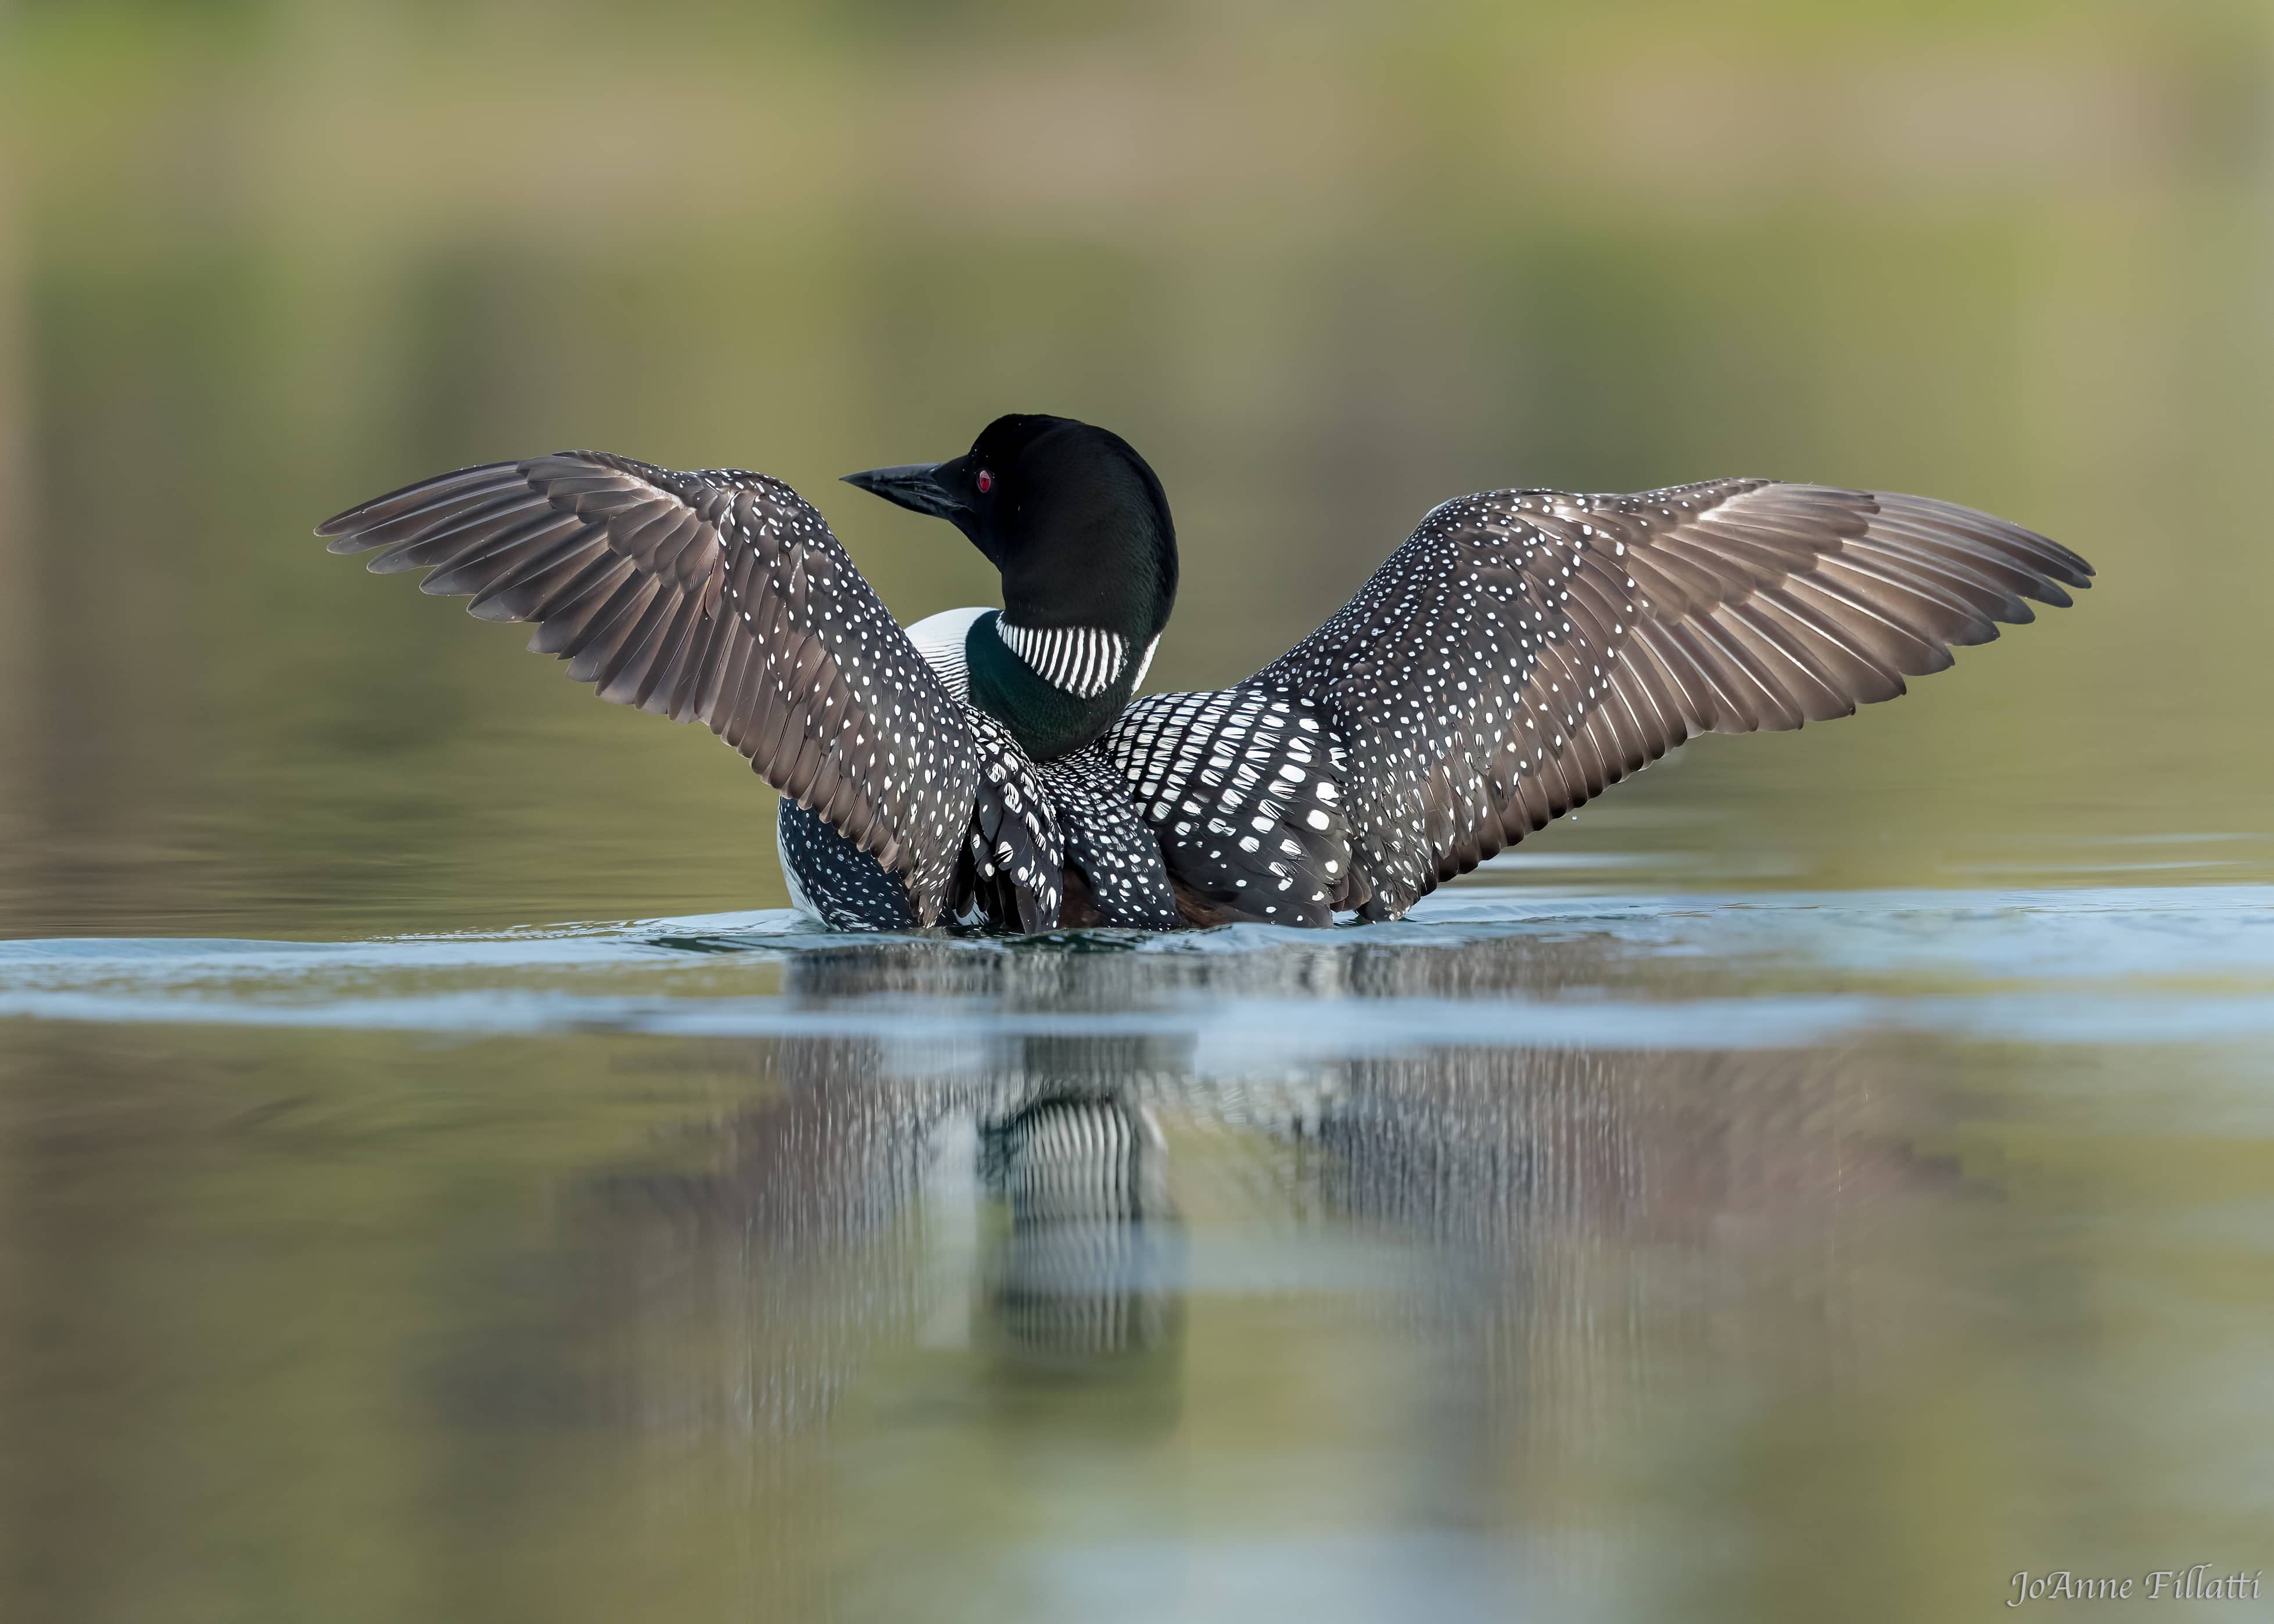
<point x="1526" y="649"/>
<point x="1242" y="787"/>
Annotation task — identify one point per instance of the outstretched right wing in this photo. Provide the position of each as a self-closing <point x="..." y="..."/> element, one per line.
<point x="722" y="595"/>
<point x="1526" y="649"/>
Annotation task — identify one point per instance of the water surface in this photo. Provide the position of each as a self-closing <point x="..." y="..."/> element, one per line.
<point x="1562" y="1252"/>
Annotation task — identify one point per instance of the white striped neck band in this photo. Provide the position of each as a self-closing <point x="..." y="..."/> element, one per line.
<point x="1081" y="660"/>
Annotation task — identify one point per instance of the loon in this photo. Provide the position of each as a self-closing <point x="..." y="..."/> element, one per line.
<point x="1522" y="652"/>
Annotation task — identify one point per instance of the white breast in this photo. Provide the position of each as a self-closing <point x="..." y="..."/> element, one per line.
<point x="939" y="639"/>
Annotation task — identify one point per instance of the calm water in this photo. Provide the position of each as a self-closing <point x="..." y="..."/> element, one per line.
<point x="1832" y="1174"/>
<point x="1564" y="1252"/>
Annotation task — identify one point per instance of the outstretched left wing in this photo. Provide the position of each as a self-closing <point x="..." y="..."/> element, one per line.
<point x="721" y="595"/>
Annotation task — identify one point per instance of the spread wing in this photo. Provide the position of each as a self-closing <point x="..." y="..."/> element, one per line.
<point x="719" y="596"/>
<point x="1526" y="649"/>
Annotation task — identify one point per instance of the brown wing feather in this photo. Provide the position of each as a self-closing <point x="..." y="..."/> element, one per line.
<point x="1526" y="649"/>
<point x="718" y="596"/>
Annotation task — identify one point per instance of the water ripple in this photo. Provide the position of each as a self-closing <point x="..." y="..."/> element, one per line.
<point x="2108" y="966"/>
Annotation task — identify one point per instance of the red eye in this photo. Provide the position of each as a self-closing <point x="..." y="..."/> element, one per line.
<point x="986" y="482"/>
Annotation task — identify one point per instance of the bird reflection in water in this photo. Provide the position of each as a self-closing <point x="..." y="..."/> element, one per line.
<point x="1083" y="1274"/>
<point x="1510" y="1214"/>
<point x="1016" y="1205"/>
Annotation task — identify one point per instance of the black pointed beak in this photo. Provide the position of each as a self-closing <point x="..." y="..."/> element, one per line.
<point x="919" y="486"/>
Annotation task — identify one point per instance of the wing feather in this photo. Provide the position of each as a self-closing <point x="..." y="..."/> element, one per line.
<point x="1526" y="649"/>
<point x="719" y="595"/>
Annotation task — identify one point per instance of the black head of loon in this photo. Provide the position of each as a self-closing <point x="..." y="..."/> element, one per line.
<point x="1079" y="526"/>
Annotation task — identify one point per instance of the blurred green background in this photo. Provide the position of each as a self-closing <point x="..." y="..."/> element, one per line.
<point x="1324" y="265"/>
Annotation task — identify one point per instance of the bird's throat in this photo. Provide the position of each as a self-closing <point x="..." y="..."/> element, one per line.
<point x="1047" y="720"/>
